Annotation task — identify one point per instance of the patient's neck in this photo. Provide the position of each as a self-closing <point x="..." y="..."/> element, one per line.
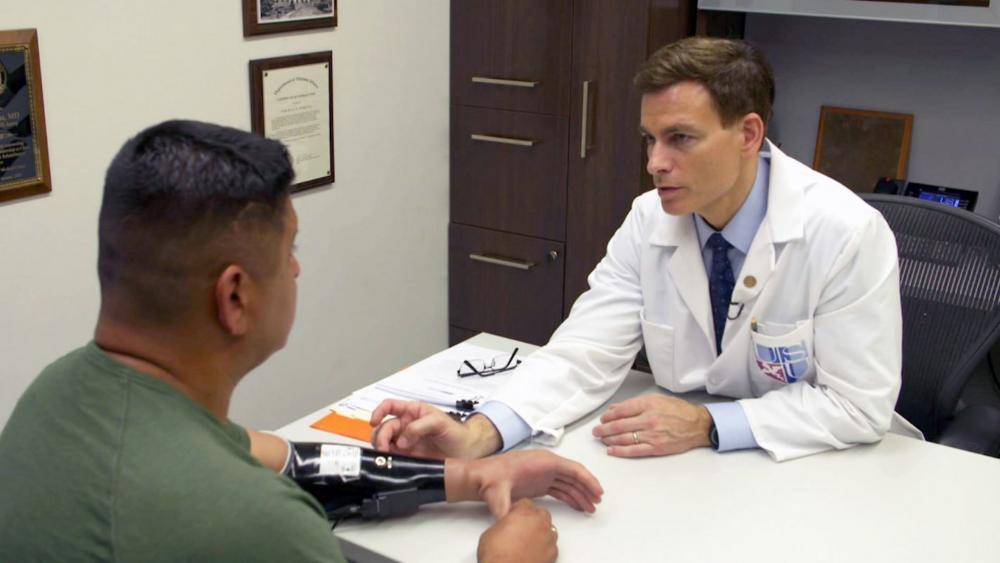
<point x="182" y="359"/>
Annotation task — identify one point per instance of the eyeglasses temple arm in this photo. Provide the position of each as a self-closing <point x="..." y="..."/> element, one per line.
<point x="511" y="359"/>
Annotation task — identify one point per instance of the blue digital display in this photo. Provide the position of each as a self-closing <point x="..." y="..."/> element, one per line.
<point x="941" y="198"/>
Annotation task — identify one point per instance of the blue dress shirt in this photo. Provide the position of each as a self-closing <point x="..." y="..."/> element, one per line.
<point x="730" y="421"/>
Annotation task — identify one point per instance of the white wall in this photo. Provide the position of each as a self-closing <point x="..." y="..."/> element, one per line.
<point x="948" y="77"/>
<point x="373" y="247"/>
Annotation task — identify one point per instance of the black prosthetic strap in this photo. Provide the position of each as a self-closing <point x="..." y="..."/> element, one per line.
<point x="353" y="481"/>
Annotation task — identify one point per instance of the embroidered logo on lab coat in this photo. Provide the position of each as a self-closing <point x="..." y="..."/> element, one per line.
<point x="782" y="363"/>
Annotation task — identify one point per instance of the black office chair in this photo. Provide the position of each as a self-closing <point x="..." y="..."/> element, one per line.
<point x="949" y="262"/>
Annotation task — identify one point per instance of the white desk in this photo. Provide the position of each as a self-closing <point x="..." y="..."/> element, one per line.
<point x="901" y="500"/>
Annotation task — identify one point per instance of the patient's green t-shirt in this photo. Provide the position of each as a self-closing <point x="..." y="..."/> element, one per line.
<point x="99" y="462"/>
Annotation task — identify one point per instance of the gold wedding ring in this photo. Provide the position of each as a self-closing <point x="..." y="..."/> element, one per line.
<point x="635" y="438"/>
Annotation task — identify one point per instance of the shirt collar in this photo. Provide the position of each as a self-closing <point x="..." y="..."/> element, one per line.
<point x="741" y="229"/>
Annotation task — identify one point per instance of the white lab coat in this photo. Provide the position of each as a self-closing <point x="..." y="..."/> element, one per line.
<point x="821" y="280"/>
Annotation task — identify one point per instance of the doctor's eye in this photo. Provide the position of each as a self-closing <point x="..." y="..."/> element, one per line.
<point x="680" y="139"/>
<point x="647" y="139"/>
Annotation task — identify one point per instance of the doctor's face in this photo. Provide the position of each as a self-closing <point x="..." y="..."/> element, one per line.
<point x="697" y="164"/>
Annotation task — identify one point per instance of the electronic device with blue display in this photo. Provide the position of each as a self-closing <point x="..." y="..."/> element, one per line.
<point x="963" y="199"/>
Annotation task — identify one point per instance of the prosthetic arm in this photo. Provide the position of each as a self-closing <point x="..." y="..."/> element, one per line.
<point x="353" y="481"/>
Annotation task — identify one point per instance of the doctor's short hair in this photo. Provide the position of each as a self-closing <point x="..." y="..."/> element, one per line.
<point x="182" y="201"/>
<point x="736" y="74"/>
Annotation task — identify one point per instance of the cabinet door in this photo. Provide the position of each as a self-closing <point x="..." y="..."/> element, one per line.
<point x="458" y="335"/>
<point x="511" y="54"/>
<point x="505" y="284"/>
<point x="508" y="171"/>
<point x="606" y="156"/>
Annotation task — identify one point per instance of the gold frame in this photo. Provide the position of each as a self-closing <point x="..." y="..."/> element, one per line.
<point x="25" y="42"/>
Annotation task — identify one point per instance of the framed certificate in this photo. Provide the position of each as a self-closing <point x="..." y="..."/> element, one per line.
<point x="278" y="16"/>
<point x="857" y="147"/>
<point x="24" y="152"/>
<point x="291" y="100"/>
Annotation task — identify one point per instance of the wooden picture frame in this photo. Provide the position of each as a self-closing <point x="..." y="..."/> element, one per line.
<point x="291" y="100"/>
<point x="857" y="147"/>
<point x="261" y="17"/>
<point x="24" y="148"/>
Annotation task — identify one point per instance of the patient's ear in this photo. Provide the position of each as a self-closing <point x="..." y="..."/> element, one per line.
<point x="232" y="299"/>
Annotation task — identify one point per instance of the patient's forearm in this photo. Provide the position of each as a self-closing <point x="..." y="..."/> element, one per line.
<point x="349" y="481"/>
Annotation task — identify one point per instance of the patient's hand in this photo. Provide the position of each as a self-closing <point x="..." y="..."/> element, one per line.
<point x="503" y="479"/>
<point x="524" y="535"/>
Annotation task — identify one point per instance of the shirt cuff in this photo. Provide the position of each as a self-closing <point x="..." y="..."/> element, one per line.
<point x="732" y="425"/>
<point x="512" y="428"/>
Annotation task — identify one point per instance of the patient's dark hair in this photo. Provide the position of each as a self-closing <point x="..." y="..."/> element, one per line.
<point x="183" y="200"/>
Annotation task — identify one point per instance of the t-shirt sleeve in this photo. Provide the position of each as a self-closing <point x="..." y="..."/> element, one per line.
<point x="281" y="526"/>
<point x="239" y="435"/>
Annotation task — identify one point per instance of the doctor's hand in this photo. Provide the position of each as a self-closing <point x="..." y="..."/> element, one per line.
<point x="524" y="535"/>
<point x="502" y="479"/>
<point x="422" y="430"/>
<point x="653" y="425"/>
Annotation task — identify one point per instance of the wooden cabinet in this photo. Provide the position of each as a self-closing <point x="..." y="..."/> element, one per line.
<point x="511" y="54"/>
<point x="546" y="156"/>
<point x="504" y="283"/>
<point x="504" y="165"/>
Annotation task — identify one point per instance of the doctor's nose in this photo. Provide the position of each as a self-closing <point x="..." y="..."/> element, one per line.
<point x="659" y="162"/>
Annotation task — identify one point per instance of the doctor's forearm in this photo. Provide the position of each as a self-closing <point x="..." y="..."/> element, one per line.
<point x="732" y="426"/>
<point x="484" y="438"/>
<point x="512" y="428"/>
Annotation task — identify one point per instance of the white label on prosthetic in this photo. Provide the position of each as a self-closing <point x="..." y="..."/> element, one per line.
<point x="344" y="461"/>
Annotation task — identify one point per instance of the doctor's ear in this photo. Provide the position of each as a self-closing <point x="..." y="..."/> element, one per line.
<point x="753" y="131"/>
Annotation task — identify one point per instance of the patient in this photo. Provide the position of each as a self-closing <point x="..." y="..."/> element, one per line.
<point x="123" y="450"/>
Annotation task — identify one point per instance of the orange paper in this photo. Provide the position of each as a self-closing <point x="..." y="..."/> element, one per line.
<point x="345" y="426"/>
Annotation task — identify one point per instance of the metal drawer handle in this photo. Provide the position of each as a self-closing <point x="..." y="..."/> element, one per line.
<point x="503" y="140"/>
<point x="506" y="262"/>
<point x="504" y="82"/>
<point x="583" y="118"/>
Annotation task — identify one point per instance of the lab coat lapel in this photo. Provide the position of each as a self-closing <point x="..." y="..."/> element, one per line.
<point x="757" y="269"/>
<point x="785" y="200"/>
<point x="782" y="223"/>
<point x="687" y="270"/>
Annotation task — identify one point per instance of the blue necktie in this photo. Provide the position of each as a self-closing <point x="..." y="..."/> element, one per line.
<point x="720" y="284"/>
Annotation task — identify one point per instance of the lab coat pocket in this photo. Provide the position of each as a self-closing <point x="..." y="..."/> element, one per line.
<point x="782" y="352"/>
<point x="659" y="341"/>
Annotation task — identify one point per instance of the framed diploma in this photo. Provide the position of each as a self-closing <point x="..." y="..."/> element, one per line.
<point x="278" y="16"/>
<point x="291" y="100"/>
<point x="24" y="152"/>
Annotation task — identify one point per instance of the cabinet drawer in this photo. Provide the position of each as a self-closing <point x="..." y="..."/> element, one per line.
<point x="506" y="284"/>
<point x="508" y="171"/>
<point x="511" y="54"/>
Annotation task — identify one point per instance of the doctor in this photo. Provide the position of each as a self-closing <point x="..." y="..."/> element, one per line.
<point x="744" y="273"/>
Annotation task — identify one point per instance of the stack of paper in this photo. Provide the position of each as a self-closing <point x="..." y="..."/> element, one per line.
<point x="434" y="380"/>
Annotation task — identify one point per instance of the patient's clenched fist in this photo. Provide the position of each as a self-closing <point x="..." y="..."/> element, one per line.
<point x="525" y="535"/>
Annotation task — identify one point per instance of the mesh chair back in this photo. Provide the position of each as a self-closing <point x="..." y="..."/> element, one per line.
<point x="949" y="262"/>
